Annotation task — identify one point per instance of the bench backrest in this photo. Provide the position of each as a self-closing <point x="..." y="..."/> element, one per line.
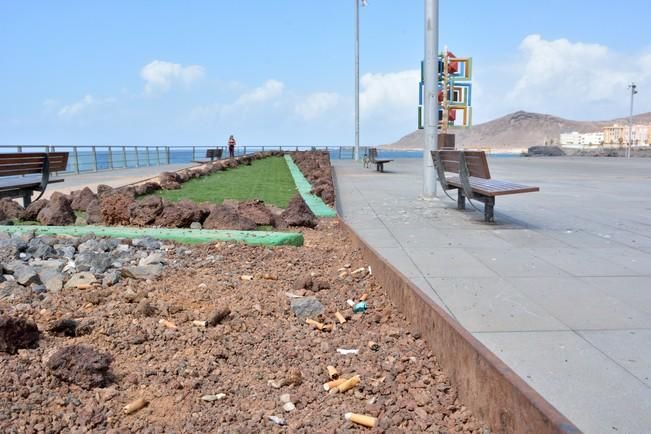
<point x="214" y="153"/>
<point x="475" y="162"/>
<point x="25" y="163"/>
<point x="372" y="153"/>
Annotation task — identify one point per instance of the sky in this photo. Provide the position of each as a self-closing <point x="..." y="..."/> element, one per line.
<point x="281" y="72"/>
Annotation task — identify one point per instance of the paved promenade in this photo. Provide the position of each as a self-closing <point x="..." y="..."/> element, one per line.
<point x="559" y="287"/>
<point x="114" y="178"/>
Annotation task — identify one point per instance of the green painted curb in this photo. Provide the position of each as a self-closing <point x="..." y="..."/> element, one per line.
<point x="187" y="236"/>
<point x="318" y="206"/>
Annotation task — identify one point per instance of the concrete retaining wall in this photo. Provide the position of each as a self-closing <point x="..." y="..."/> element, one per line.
<point x="486" y="385"/>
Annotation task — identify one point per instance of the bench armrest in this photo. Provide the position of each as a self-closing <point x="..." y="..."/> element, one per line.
<point x="436" y="157"/>
<point x="464" y="176"/>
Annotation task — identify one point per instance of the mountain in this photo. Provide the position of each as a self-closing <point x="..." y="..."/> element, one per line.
<point x="517" y="130"/>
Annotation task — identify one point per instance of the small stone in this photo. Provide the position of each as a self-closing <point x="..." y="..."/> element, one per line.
<point x="79" y="279"/>
<point x="111" y="277"/>
<point x="218" y="316"/>
<point x="285" y="398"/>
<point x="289" y="406"/>
<point x="25" y="275"/>
<point x="64" y="327"/>
<point x="278" y="420"/>
<point x="153" y="258"/>
<point x="306" y="307"/>
<point x="143" y="272"/>
<point x="195" y="225"/>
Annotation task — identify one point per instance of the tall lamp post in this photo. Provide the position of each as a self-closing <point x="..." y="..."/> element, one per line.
<point x="431" y="101"/>
<point x="356" y="151"/>
<point x="633" y="88"/>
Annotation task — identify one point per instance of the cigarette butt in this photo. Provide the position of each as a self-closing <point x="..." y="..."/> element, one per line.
<point x="362" y="419"/>
<point x="373" y="346"/>
<point x="350" y="302"/>
<point x="349" y="384"/>
<point x="363" y="297"/>
<point x="84" y="286"/>
<point x="340" y="317"/>
<point x="199" y="323"/>
<point x="134" y="406"/>
<point x="246" y="277"/>
<point x="332" y="372"/>
<point x="317" y="325"/>
<point x="166" y="323"/>
<point x="330" y="385"/>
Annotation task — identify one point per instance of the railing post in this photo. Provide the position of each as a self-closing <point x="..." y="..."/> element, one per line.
<point x="147" y="155"/>
<point x="245" y="150"/>
<point x="168" y="154"/>
<point x="193" y="152"/>
<point x="110" y="157"/>
<point x="76" y="155"/>
<point x="124" y="157"/>
<point x="137" y="157"/>
<point x="340" y="152"/>
<point x="157" y="156"/>
<point x="94" y="159"/>
<point x="19" y="149"/>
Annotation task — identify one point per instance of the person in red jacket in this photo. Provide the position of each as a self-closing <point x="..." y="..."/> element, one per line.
<point x="231" y="147"/>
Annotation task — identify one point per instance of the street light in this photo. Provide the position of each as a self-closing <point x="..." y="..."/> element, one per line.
<point x="633" y="88"/>
<point x="431" y="101"/>
<point x="356" y="151"/>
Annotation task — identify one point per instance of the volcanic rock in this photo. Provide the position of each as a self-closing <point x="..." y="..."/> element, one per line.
<point x="223" y="217"/>
<point x="298" y="213"/>
<point x="16" y="334"/>
<point x="144" y="212"/>
<point x="81" y="365"/>
<point x="256" y="211"/>
<point x="114" y="208"/>
<point x="82" y="198"/>
<point x="57" y="212"/>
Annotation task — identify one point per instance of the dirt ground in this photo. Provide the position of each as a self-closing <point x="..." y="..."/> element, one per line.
<point x="256" y="354"/>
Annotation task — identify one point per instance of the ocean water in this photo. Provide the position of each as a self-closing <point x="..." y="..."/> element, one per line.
<point x="118" y="157"/>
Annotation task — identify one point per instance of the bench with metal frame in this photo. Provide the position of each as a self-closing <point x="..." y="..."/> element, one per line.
<point x="379" y="164"/>
<point x="23" y="173"/>
<point x="468" y="172"/>
<point x="214" y="154"/>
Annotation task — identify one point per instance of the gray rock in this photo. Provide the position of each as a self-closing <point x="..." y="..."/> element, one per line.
<point x="100" y="262"/>
<point x="39" y="289"/>
<point x="111" y="278"/>
<point x="306" y="306"/>
<point x="68" y="251"/>
<point x="195" y="225"/>
<point x="89" y="246"/>
<point x="108" y="244"/>
<point x="52" y="279"/>
<point x="147" y="242"/>
<point x="48" y="264"/>
<point x="39" y="248"/>
<point x="10" y="290"/>
<point x="25" y="275"/>
<point x="152" y="271"/>
<point x="82" y="278"/>
<point x="153" y="258"/>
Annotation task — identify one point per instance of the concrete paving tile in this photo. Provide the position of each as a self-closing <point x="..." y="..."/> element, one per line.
<point x="580" y="306"/>
<point x="594" y="392"/>
<point x="582" y="239"/>
<point x="633" y="291"/>
<point x="482" y="304"/>
<point x="513" y="262"/>
<point x="477" y="238"/>
<point x="581" y="262"/>
<point x="631" y="349"/>
<point x="424" y="285"/>
<point x="401" y="260"/>
<point x="633" y="259"/>
<point x="527" y="238"/>
<point x="448" y="262"/>
<point x="377" y="238"/>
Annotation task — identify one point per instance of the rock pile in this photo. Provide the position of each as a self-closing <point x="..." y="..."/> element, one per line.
<point x="219" y="342"/>
<point x="315" y="166"/>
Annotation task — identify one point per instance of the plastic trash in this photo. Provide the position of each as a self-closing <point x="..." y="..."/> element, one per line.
<point x="360" y="307"/>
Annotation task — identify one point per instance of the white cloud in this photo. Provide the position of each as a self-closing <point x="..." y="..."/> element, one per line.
<point x="160" y="75"/>
<point x="573" y="79"/>
<point x="316" y="104"/>
<point x="271" y="89"/>
<point x="75" y="109"/>
<point x="389" y="93"/>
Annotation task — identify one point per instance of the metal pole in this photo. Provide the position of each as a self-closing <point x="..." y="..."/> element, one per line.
<point x="431" y="99"/>
<point x="110" y="157"/>
<point x="632" y="86"/>
<point x="356" y="80"/>
<point x="94" y="159"/>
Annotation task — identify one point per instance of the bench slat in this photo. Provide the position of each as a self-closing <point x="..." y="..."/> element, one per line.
<point x="491" y="187"/>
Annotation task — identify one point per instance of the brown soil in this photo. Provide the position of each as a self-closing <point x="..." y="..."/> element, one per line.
<point x="254" y="354"/>
<point x="317" y="169"/>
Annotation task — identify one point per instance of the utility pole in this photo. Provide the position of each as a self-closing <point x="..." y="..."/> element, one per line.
<point x="356" y="151"/>
<point x="430" y="103"/>
<point x="633" y="88"/>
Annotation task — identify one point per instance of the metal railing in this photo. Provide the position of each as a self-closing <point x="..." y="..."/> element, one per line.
<point x="85" y="159"/>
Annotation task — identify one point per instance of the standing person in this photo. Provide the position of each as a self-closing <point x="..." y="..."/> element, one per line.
<point x="231" y="147"/>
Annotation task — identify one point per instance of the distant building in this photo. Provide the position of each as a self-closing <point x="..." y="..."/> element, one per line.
<point x="618" y="135"/>
<point x="576" y="139"/>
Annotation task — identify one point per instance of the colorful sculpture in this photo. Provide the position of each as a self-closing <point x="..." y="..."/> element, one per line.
<point x="454" y="91"/>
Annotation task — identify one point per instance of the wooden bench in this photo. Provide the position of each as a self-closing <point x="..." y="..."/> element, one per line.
<point x="372" y="158"/>
<point x="468" y="172"/>
<point x="214" y="153"/>
<point x="22" y="174"/>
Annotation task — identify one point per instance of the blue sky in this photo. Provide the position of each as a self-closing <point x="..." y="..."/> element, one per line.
<point x="281" y="72"/>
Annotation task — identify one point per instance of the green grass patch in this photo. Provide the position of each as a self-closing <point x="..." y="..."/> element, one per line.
<point x="268" y="179"/>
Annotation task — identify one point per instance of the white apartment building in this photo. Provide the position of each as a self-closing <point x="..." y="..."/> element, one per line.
<point x="580" y="140"/>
